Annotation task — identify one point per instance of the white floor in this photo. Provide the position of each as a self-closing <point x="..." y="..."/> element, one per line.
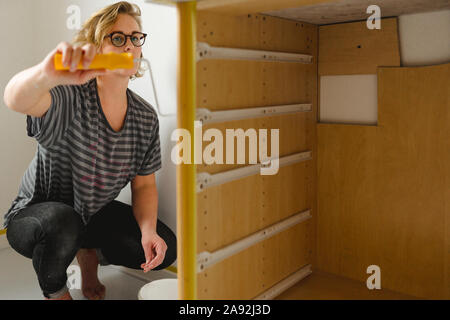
<point x="18" y="279"/>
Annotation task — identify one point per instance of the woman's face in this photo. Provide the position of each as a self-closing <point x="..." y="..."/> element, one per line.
<point x="126" y="24"/>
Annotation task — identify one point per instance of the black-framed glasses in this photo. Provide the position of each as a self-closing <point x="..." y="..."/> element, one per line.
<point x="118" y="38"/>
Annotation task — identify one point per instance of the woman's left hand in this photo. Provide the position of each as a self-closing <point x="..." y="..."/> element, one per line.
<point x="154" y="248"/>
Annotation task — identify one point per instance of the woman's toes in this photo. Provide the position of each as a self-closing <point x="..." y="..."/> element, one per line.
<point x="95" y="293"/>
<point x="101" y="291"/>
<point x="89" y="293"/>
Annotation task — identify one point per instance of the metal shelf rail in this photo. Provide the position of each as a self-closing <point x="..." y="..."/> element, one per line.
<point x="205" y="51"/>
<point x="207" y="259"/>
<point x="206" y="116"/>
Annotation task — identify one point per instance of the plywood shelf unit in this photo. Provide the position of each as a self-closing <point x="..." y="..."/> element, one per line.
<point x="252" y="243"/>
<point x="372" y="191"/>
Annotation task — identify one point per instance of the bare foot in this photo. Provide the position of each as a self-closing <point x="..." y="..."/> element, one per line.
<point x="91" y="287"/>
<point x="66" y="296"/>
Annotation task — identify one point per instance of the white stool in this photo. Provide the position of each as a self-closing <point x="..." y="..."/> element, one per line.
<point x="163" y="289"/>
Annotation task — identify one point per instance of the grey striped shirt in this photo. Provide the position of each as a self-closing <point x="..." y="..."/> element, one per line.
<point x="80" y="160"/>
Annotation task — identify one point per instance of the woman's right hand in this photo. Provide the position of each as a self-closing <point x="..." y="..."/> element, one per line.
<point x="71" y="56"/>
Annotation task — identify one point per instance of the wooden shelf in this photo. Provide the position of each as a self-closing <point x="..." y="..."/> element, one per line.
<point x="319" y="12"/>
<point x="253" y="6"/>
<point x="325" y="286"/>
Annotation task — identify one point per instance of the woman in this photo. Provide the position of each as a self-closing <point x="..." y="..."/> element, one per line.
<point x="94" y="136"/>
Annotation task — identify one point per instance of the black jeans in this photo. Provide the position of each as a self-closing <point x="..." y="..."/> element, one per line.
<point x="51" y="233"/>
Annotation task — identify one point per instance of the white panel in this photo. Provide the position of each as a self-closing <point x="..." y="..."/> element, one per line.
<point x="424" y="38"/>
<point x="349" y="99"/>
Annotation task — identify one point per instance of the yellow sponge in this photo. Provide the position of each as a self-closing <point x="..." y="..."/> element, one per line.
<point x="101" y="61"/>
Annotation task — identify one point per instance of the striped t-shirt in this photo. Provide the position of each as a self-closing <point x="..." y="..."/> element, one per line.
<point x="80" y="160"/>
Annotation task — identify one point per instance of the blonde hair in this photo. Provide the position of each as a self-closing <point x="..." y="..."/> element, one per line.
<point x="97" y="26"/>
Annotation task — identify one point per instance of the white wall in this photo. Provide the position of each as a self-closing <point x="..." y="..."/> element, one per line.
<point x="16" y="55"/>
<point x="42" y="25"/>
<point x="424" y="40"/>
